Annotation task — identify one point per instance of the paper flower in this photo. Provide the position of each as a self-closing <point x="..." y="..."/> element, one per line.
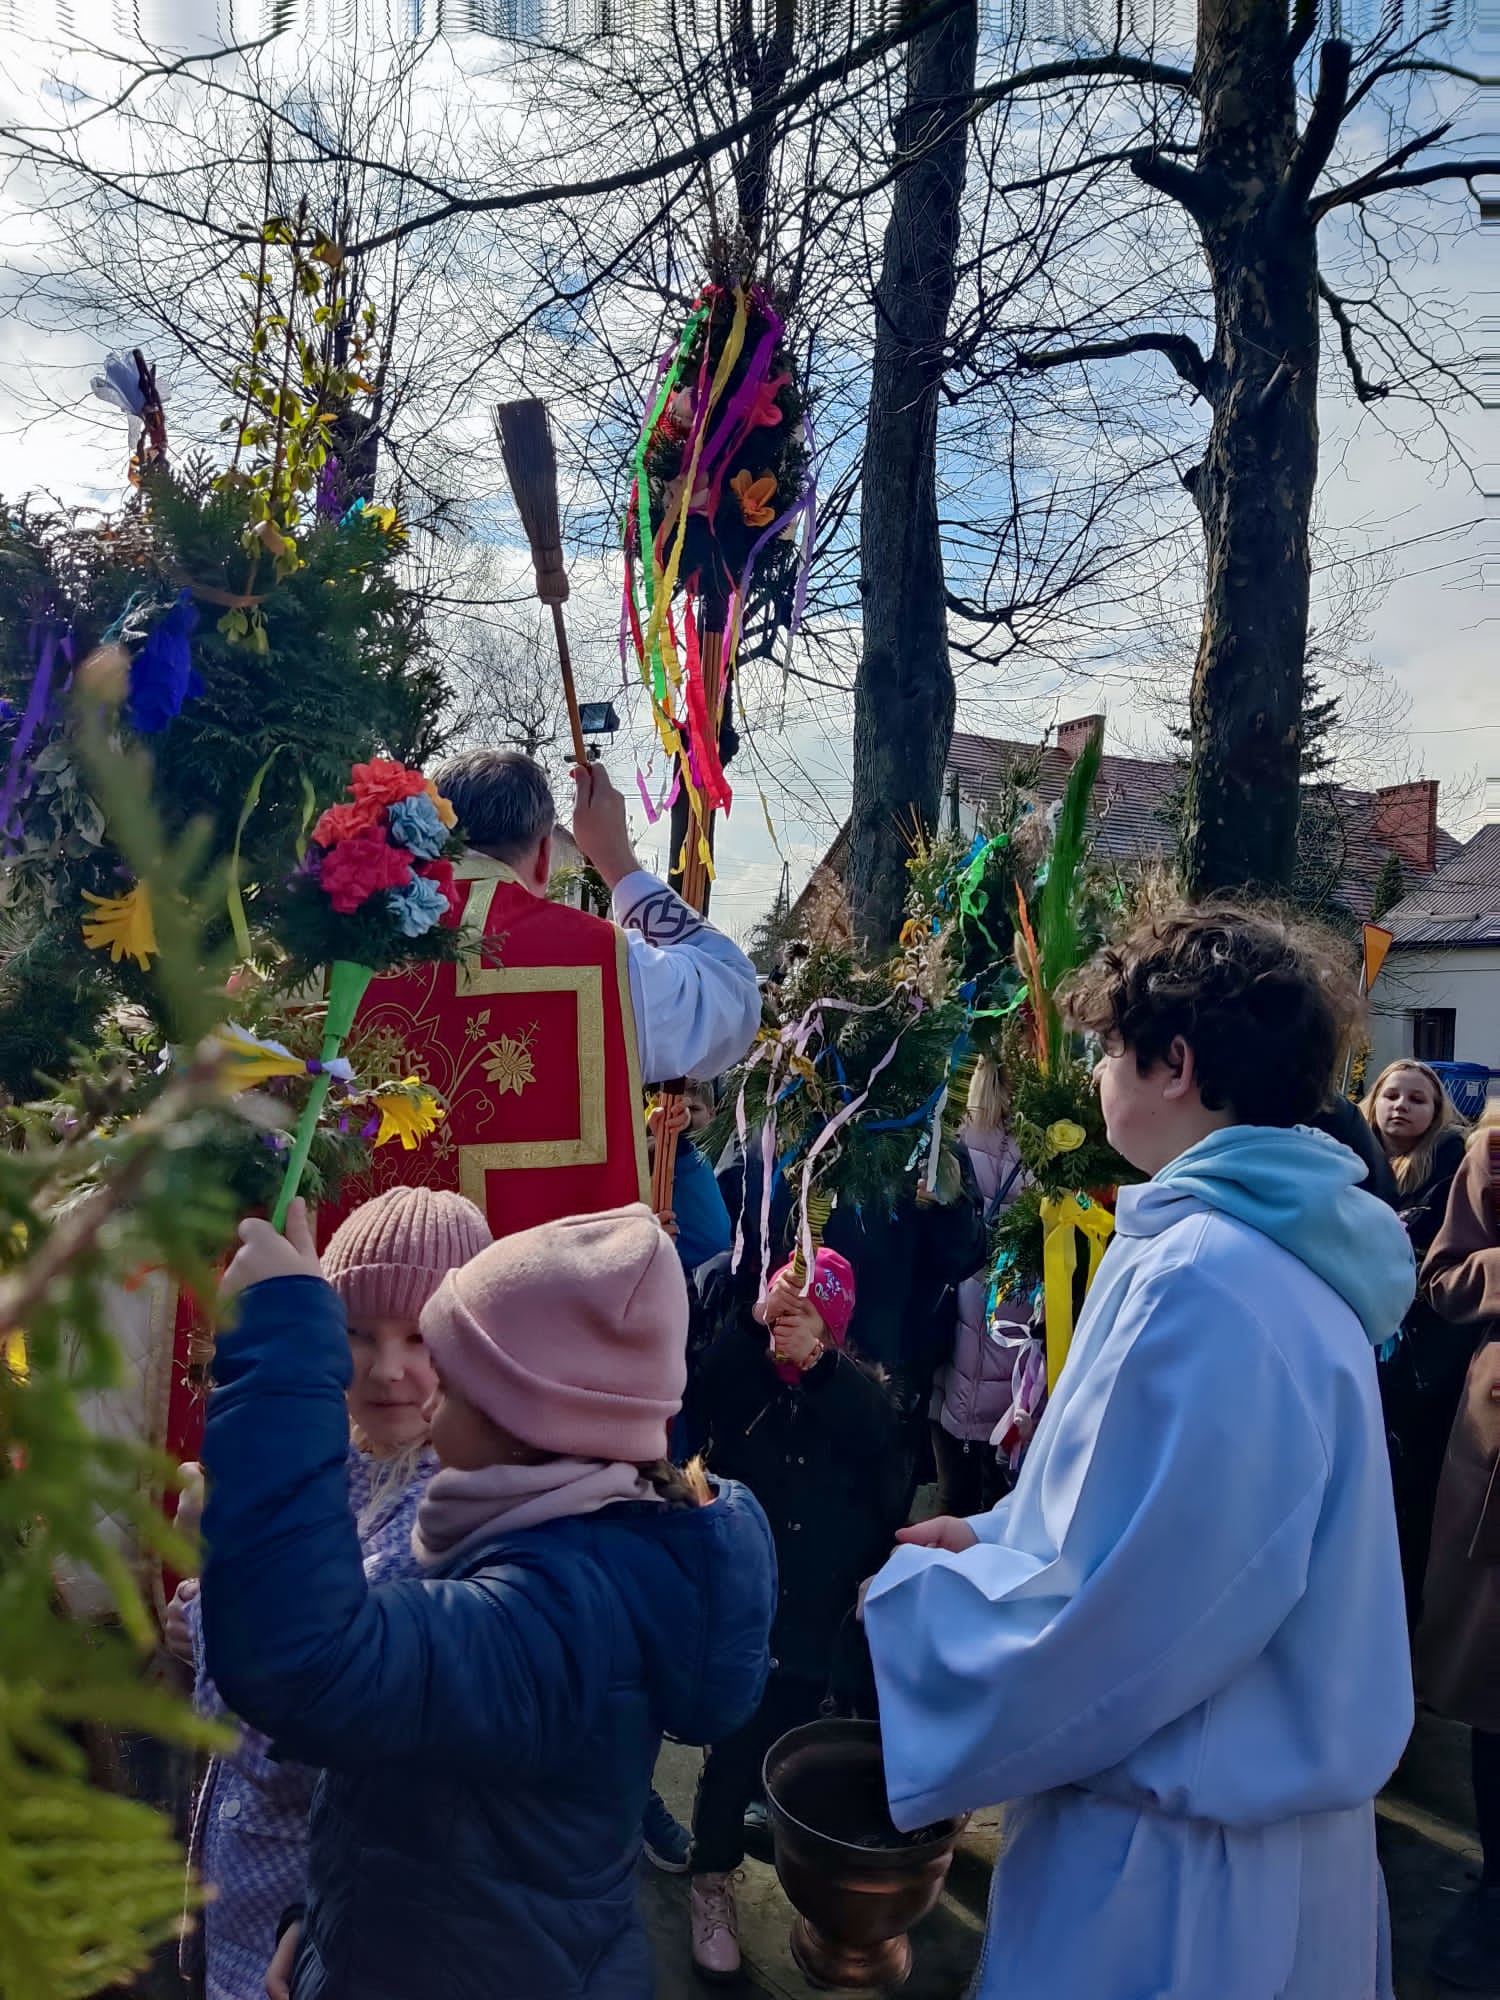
<point x="382" y="782"/>
<point x="441" y="873"/>
<point x="766" y="412"/>
<point x="161" y="674"/>
<point x="414" y="824"/>
<point x="342" y="822"/>
<point x="408" y="1113"/>
<point x="124" y="926"/>
<point x="250" y="1060"/>
<point x="755" y="496"/>
<point x="1063" y="1136"/>
<point x="360" y="867"/>
<point x="416" y="907"/>
<point x="444" y="811"/>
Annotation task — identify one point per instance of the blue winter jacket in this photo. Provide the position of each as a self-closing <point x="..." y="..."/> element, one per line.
<point x="487" y="1733"/>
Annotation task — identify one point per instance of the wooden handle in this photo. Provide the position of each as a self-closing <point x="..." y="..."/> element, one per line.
<point x="664" y="1165"/>
<point x="570" y="693"/>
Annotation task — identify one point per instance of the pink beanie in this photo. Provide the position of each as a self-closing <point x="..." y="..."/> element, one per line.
<point x="832" y="1291"/>
<point x="572" y="1336"/>
<point x="387" y="1259"/>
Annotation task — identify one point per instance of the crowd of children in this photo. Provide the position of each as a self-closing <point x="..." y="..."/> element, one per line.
<point x="1177" y="1650"/>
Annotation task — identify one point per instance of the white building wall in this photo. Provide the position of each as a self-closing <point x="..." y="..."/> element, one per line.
<point x="1466" y="981"/>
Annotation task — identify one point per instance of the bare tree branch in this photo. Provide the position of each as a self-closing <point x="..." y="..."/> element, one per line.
<point x="1321" y="131"/>
<point x="1366" y="390"/>
<point x="1184" y="354"/>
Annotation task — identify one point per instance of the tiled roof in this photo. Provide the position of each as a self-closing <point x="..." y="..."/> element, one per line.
<point x="1129" y="820"/>
<point x="1458" y="904"/>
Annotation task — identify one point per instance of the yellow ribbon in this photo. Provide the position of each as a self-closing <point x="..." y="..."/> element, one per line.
<point x="1063" y="1216"/>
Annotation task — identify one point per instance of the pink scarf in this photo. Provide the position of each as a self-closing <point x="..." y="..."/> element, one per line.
<point x="459" y="1507"/>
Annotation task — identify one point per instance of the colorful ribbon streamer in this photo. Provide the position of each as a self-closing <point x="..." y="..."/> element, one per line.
<point x="1064" y="1218"/>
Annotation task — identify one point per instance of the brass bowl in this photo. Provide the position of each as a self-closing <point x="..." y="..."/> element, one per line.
<point x="857" y="1883"/>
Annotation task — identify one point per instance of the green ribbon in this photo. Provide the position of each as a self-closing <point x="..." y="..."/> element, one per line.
<point x="643" y="492"/>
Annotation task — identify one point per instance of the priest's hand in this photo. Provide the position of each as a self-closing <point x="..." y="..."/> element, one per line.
<point x="599" y="824"/>
<point x="263" y="1254"/>
<point x="946" y="1532"/>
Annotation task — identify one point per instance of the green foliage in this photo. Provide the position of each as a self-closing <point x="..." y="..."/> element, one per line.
<point x="102" y="1179"/>
<point x="344" y="676"/>
<point x="1390" y="887"/>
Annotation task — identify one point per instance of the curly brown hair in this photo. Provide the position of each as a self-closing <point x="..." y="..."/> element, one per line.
<point x="1264" y="1003"/>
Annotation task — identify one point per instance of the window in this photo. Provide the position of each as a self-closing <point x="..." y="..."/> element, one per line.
<point x="1432" y="1033"/>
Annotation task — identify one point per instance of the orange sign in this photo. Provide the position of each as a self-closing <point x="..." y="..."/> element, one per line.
<point x="1377" y="943"/>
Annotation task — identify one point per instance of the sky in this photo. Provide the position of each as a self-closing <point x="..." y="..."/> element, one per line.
<point x="1411" y="517"/>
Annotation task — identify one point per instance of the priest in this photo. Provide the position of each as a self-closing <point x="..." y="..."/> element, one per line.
<point x="543" y="1038"/>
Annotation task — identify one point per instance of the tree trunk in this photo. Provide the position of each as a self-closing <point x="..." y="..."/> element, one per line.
<point x="903" y="692"/>
<point x="1254" y="489"/>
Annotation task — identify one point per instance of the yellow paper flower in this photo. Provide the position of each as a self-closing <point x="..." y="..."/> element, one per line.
<point x="249" y="1061"/>
<point x="123" y="927"/>
<point x="912" y="932"/>
<point x="13" y="1354"/>
<point x="408" y="1113"/>
<point x="445" y="812"/>
<point x="1064" y="1136"/>
<point x="755" y="497"/>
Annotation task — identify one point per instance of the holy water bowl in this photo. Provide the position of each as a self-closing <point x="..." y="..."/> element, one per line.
<point x="857" y="1882"/>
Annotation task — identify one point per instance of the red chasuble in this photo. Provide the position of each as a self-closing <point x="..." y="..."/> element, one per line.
<point x="532" y="1045"/>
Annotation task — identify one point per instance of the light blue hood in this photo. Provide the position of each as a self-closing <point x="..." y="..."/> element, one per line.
<point x="1300" y="1188"/>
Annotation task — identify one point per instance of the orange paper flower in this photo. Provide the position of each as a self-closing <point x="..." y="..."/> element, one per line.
<point x="754" y="496"/>
<point x="382" y="782"/>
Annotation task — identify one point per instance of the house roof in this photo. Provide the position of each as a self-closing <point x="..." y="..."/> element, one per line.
<point x="1457" y="905"/>
<point x="1131" y="815"/>
<point x="1130" y="818"/>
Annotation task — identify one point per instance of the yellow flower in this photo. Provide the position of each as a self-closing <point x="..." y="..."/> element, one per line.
<point x="13" y="1354"/>
<point x="445" y="812"/>
<point x="123" y="927"/>
<point x="249" y="1061"/>
<point x="913" y="931"/>
<point x="510" y="1066"/>
<point x="407" y="1112"/>
<point x="1064" y="1136"/>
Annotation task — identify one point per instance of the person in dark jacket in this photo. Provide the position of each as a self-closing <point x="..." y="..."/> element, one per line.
<point x="487" y="1732"/>
<point x="1422" y="1376"/>
<point x="815" y="1435"/>
<point x="1341" y="1120"/>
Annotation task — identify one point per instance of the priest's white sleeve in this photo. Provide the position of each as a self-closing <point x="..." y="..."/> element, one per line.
<point x="697" y="1003"/>
<point x="1148" y="1556"/>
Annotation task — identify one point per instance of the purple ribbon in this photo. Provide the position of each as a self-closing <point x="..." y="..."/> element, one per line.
<point x="31" y="720"/>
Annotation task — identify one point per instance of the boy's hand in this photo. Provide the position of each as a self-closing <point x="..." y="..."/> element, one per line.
<point x="946" y="1532"/>
<point x="263" y="1254"/>
<point x="177" y="1632"/>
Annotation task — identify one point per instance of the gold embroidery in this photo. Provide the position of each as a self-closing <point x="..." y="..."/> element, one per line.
<point x="590" y="1148"/>
<point x="510" y="1066"/>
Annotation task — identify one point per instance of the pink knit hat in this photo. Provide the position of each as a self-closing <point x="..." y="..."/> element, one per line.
<point x="572" y="1336"/>
<point x="832" y="1291"/>
<point x="387" y="1259"/>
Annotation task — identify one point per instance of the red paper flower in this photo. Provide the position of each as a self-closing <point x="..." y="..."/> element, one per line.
<point x="360" y="866"/>
<point x="342" y="822"/>
<point x="441" y="872"/>
<point x="382" y="781"/>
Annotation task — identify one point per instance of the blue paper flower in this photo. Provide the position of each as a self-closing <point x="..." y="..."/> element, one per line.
<point x="415" y="825"/>
<point x="418" y="906"/>
<point x="161" y="674"/>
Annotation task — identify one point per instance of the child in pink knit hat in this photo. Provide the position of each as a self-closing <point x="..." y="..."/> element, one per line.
<point x="816" y="1436"/>
<point x="489" y="1729"/>
<point x="250" y="1824"/>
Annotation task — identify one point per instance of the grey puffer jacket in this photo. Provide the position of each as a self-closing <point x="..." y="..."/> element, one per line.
<point x="973" y="1392"/>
